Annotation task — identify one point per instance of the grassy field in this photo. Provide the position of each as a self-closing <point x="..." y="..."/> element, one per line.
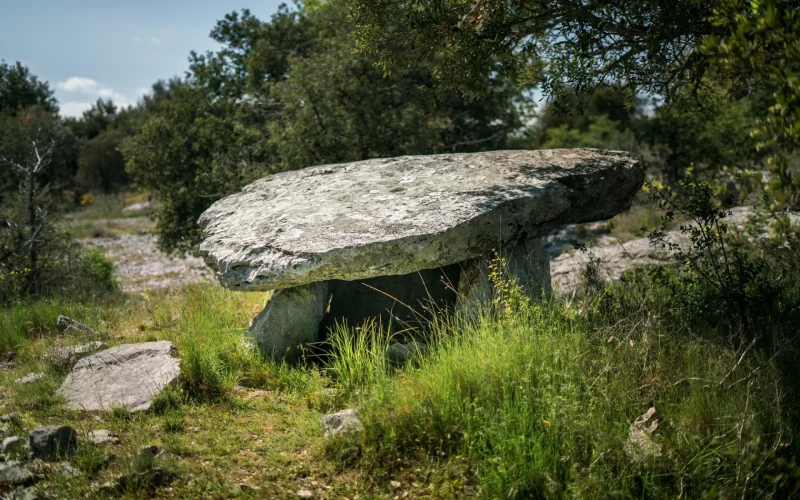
<point x="524" y="401"/>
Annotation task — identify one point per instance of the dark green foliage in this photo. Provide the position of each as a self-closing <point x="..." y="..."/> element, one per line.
<point x="36" y="124"/>
<point x="169" y="400"/>
<point x="726" y="276"/>
<point x="19" y="89"/>
<point x="700" y="56"/>
<point x="101" y="166"/>
<point x="570" y="46"/>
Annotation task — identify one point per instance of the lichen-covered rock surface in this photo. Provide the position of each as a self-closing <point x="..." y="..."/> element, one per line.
<point x="127" y="375"/>
<point x="399" y="215"/>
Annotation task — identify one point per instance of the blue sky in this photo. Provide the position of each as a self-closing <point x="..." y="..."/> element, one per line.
<point x="93" y="48"/>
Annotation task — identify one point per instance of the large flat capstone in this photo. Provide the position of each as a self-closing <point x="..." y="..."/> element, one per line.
<point x="400" y="215"/>
<point x="127" y="375"/>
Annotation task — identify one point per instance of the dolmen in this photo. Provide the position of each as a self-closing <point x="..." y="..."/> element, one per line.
<point x="397" y="239"/>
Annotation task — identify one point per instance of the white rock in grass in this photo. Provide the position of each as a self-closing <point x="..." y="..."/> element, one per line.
<point x="128" y="376"/>
<point x="31" y="377"/>
<point x="343" y="421"/>
<point x="103" y="436"/>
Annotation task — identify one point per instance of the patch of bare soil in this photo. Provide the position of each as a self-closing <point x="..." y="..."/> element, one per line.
<point x="140" y="265"/>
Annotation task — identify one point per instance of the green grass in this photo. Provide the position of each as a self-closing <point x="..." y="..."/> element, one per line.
<point x="108" y="206"/>
<point x="539" y="399"/>
<point x="518" y="401"/>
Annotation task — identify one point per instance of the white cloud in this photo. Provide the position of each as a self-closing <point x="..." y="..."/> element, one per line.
<point x="142" y="91"/>
<point x="155" y="40"/>
<point x="87" y="87"/>
<point x="78" y="84"/>
<point x="73" y="108"/>
<point x="136" y="39"/>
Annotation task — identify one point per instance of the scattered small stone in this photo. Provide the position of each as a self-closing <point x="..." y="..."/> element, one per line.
<point x="8" y="357"/>
<point x="48" y="443"/>
<point x="31" y="377"/>
<point x="3" y="429"/>
<point x="343" y="421"/>
<point x="641" y="445"/>
<point x="13" y="445"/>
<point x="305" y="494"/>
<point x="103" y="436"/>
<point x="244" y="487"/>
<point x="16" y="474"/>
<point x="193" y="429"/>
<point x="67" y="325"/>
<point x="395" y="484"/>
<point x="10" y="417"/>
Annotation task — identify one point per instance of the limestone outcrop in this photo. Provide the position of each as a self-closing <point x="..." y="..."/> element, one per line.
<point x="334" y="229"/>
<point x="127" y="375"/>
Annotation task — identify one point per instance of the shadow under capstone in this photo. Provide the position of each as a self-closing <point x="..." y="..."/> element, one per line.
<point x="399" y="303"/>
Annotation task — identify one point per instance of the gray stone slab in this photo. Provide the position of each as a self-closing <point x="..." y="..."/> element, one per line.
<point x="290" y="319"/>
<point x="127" y="375"/>
<point x="400" y="215"/>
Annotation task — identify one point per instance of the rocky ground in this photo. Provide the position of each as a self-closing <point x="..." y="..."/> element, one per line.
<point x="612" y="255"/>
<point x="140" y="265"/>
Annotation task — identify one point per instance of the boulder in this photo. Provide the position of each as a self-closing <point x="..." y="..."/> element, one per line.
<point x="341" y="422"/>
<point x="49" y="443"/>
<point x="641" y="445"/>
<point x="13" y="446"/>
<point x="10" y="417"/>
<point x="128" y="376"/>
<point x="400" y="238"/>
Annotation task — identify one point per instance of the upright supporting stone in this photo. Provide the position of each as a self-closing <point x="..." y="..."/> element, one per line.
<point x="527" y="262"/>
<point x="291" y="318"/>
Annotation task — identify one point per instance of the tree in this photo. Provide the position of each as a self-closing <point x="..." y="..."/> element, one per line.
<point x="16" y="131"/>
<point x="338" y="106"/>
<point x="19" y="89"/>
<point x="101" y="166"/>
<point x="30" y="231"/>
<point x="570" y="47"/>
<point x="94" y="120"/>
<point x="696" y="55"/>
